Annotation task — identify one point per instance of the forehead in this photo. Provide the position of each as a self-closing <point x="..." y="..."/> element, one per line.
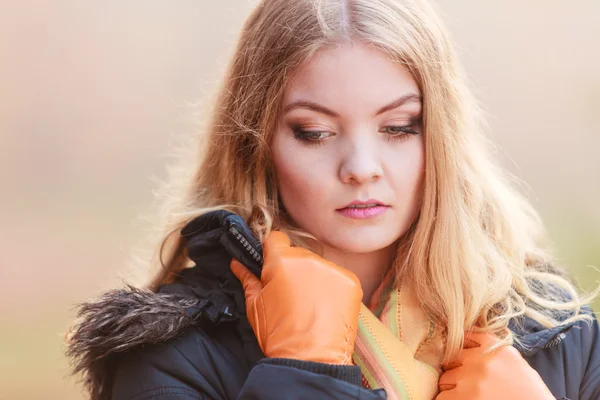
<point x="350" y="75"/>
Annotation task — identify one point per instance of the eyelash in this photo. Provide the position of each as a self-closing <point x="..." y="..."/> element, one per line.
<point x="404" y="132"/>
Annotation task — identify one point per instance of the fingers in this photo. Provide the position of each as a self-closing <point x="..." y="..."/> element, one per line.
<point x="455" y="363"/>
<point x="275" y="241"/>
<point x="476" y="343"/>
<point x="449" y="395"/>
<point x="470" y="344"/>
<point x="448" y="380"/>
<point x="479" y="339"/>
<point x="275" y="248"/>
<point x="252" y="286"/>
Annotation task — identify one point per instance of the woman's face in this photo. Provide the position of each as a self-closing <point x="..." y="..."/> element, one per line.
<point x="350" y="131"/>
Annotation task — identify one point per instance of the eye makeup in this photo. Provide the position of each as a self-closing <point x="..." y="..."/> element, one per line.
<point x="392" y="132"/>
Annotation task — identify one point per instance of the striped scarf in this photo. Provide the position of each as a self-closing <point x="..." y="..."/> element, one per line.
<point x="401" y="351"/>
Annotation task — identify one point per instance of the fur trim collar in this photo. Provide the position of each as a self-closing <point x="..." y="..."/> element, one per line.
<point x="121" y="320"/>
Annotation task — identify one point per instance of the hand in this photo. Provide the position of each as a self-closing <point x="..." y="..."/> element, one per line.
<point x="502" y="374"/>
<point x="305" y="307"/>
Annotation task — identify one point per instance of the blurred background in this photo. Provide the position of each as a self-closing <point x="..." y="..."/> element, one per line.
<point x="92" y="94"/>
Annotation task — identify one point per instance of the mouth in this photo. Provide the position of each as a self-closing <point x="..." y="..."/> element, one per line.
<point x="357" y="204"/>
<point x="363" y="209"/>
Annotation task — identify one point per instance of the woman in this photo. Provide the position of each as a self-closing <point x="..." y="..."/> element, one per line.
<point x="416" y="272"/>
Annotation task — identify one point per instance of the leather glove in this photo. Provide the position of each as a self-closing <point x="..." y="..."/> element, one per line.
<point x="502" y="374"/>
<point x="304" y="307"/>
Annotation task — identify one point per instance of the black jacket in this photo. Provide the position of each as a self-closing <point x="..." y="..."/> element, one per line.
<point x="191" y="339"/>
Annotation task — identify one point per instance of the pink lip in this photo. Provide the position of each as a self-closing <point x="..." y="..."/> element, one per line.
<point x="358" y="202"/>
<point x="363" y="213"/>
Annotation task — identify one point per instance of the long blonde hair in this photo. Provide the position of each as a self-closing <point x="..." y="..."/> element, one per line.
<point x="474" y="256"/>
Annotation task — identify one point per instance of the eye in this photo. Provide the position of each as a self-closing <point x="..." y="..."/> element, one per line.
<point x="311" y="135"/>
<point x="400" y="130"/>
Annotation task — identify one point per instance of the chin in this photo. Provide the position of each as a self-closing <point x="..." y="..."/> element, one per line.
<point x="361" y="240"/>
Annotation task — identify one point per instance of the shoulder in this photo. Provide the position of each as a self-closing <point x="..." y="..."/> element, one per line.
<point x="568" y="358"/>
<point x="590" y="344"/>
<point x="194" y="365"/>
<point x="141" y="337"/>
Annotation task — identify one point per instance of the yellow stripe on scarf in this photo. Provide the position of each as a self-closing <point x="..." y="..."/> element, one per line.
<point x="399" y="352"/>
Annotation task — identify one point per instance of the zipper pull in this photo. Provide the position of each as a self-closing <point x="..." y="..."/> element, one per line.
<point x="555" y="340"/>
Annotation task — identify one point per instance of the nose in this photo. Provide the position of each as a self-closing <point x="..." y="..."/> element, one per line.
<point x="360" y="164"/>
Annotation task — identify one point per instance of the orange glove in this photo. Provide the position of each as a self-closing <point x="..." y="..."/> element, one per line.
<point x="305" y="308"/>
<point x="499" y="375"/>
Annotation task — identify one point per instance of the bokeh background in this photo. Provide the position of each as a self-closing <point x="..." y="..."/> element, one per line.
<point x="93" y="93"/>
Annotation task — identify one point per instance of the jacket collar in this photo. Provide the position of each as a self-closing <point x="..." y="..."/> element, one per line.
<point x="531" y="336"/>
<point x="213" y="239"/>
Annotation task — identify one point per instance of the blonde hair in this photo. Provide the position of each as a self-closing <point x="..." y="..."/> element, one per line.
<point x="474" y="255"/>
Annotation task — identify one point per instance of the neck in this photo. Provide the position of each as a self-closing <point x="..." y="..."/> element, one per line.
<point x="370" y="267"/>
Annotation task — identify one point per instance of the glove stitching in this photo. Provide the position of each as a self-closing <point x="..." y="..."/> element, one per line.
<point x="262" y="304"/>
<point x="346" y="350"/>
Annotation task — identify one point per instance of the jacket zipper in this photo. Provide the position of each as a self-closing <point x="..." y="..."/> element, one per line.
<point x="555" y="340"/>
<point x="251" y="250"/>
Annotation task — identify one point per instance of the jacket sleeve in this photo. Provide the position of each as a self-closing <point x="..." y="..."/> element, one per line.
<point x="193" y="369"/>
<point x="295" y="380"/>
<point x="157" y="373"/>
<point x="590" y="384"/>
<point x="139" y="379"/>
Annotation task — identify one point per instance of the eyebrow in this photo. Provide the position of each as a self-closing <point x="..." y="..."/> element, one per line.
<point x="310" y="105"/>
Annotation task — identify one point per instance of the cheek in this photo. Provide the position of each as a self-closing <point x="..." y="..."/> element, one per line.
<point x="413" y="184"/>
<point x="406" y="175"/>
<point x="302" y="185"/>
<point x="415" y="165"/>
<point x="294" y="186"/>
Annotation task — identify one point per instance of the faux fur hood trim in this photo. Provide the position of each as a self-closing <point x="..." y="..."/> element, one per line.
<point x="120" y="320"/>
